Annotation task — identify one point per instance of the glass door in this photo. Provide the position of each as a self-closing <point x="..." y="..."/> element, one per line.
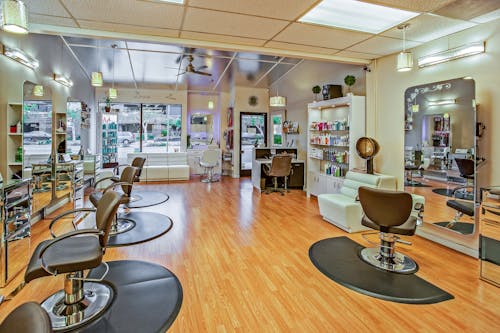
<point x="252" y="134"/>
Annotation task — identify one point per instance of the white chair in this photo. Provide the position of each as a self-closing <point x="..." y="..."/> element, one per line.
<point x="209" y="160"/>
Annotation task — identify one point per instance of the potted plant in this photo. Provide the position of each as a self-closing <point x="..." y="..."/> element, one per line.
<point x="349" y="80"/>
<point x="316" y="90"/>
<point x="107" y="107"/>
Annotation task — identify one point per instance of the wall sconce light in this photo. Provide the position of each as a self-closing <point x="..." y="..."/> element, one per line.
<point x="59" y="78"/>
<point x="442" y="102"/>
<point x="210" y="105"/>
<point x="451" y="54"/>
<point x="96" y="79"/>
<point x="14" y="16"/>
<point x="20" y="56"/>
<point x="38" y="90"/>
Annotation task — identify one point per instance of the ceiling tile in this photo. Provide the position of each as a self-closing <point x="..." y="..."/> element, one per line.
<point x="299" y="47"/>
<point x="359" y="55"/>
<point x="222" y="38"/>
<point x="281" y="9"/>
<point x="467" y="9"/>
<point x="231" y="24"/>
<point x="427" y="27"/>
<point x="315" y="35"/>
<point x="124" y="28"/>
<point x="130" y="12"/>
<point x="46" y="7"/>
<point x="412" y="5"/>
<point x="382" y="45"/>
<point x="52" y="20"/>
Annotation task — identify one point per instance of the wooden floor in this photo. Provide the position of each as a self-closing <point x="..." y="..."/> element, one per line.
<point x="242" y="259"/>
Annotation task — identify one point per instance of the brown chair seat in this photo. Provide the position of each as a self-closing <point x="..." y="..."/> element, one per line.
<point x="94" y="197"/>
<point x="28" y="318"/>
<point x="69" y="255"/>
<point x="407" y="228"/>
<point x="466" y="207"/>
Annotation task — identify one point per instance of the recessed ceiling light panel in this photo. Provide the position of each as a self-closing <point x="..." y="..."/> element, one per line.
<point x="356" y="15"/>
<point x="180" y="2"/>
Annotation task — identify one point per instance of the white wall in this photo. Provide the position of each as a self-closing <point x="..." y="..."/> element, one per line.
<point x="386" y="88"/>
<point x="297" y="88"/>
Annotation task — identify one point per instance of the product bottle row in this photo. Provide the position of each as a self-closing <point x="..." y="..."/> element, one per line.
<point x="330" y="140"/>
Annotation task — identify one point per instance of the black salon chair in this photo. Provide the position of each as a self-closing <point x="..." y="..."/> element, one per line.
<point x="466" y="170"/>
<point x="390" y="213"/>
<point x="27" y="318"/>
<point x="82" y="299"/>
<point x="462" y="206"/>
<point x="126" y="182"/>
<point x="414" y="166"/>
<point x="137" y="162"/>
<point x="281" y="165"/>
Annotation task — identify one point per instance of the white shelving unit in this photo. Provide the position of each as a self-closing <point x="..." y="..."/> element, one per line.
<point x="10" y="142"/>
<point x="334" y="126"/>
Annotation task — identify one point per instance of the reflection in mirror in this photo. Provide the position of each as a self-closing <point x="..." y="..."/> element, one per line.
<point x="73" y="127"/>
<point x="37" y="142"/>
<point x="440" y="153"/>
<point x="201" y="130"/>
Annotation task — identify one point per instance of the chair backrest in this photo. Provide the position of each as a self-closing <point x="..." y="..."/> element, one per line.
<point x="281" y="165"/>
<point x="105" y="214"/>
<point x="465" y="166"/>
<point x="210" y="156"/>
<point x="138" y="163"/>
<point x="385" y="208"/>
<point x="27" y="318"/>
<point x="354" y="180"/>
<point x="418" y="158"/>
<point x="128" y="176"/>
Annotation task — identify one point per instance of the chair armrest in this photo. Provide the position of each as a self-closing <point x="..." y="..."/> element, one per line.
<point x="60" y="216"/>
<point x="267" y="168"/>
<point x="112" y="178"/>
<point x="110" y="187"/>
<point x="62" y="237"/>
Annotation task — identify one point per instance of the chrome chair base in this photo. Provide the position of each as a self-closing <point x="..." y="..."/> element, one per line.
<point x="97" y="297"/>
<point x="210" y="180"/>
<point x="121" y="225"/>
<point x="398" y="263"/>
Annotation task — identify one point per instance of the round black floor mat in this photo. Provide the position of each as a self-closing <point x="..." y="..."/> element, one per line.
<point x="461" y="227"/>
<point x="338" y="259"/>
<point x="147" y="226"/>
<point x="449" y="193"/>
<point x="148" y="298"/>
<point x="141" y="199"/>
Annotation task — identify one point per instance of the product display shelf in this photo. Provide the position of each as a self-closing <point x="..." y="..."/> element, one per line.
<point x="11" y="164"/>
<point x="334" y="126"/>
<point x="109" y="139"/>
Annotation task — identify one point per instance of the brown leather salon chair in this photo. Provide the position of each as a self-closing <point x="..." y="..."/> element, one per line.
<point x="281" y="166"/>
<point x="126" y="182"/>
<point x="82" y="299"/>
<point x="388" y="212"/>
<point x="137" y="162"/>
<point x="27" y="318"/>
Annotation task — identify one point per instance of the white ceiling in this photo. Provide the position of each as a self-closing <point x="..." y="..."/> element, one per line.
<point x="262" y="23"/>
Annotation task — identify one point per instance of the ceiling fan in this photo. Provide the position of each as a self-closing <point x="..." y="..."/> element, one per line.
<point x="191" y="69"/>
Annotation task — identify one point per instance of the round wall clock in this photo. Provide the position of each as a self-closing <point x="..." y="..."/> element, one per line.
<point x="253" y="100"/>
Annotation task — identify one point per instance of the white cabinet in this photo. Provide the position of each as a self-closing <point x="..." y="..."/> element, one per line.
<point x="334" y="126"/>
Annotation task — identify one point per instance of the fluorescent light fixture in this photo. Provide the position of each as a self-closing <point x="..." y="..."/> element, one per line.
<point x="96" y="79"/>
<point x="451" y="54"/>
<point x="14" y="18"/>
<point x="277" y="101"/>
<point x="112" y="93"/>
<point x="487" y="17"/>
<point x="20" y="56"/>
<point x="59" y="78"/>
<point x="210" y="105"/>
<point x="38" y="90"/>
<point x="180" y="2"/>
<point x="442" y="102"/>
<point x="356" y="15"/>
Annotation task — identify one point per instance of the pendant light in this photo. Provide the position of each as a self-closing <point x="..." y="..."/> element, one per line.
<point x="38" y="90"/>
<point x="405" y="58"/>
<point x="112" y="93"/>
<point x="96" y="77"/>
<point x="14" y="15"/>
<point x="277" y="101"/>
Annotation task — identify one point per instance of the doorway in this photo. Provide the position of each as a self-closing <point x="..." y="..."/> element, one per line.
<point x="253" y="133"/>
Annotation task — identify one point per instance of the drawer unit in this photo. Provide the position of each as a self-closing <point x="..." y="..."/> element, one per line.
<point x="489" y="244"/>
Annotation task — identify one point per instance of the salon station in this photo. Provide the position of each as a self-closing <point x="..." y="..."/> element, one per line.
<point x="231" y="165"/>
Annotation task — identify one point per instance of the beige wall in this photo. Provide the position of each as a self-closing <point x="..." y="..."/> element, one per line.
<point x="385" y="102"/>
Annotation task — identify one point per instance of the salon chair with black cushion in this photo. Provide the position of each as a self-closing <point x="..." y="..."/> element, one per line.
<point x="462" y="206"/>
<point x="390" y="213"/>
<point x="466" y="170"/>
<point x="414" y="166"/>
<point x="137" y="162"/>
<point x="27" y="318"/>
<point x="281" y="166"/>
<point x="82" y="299"/>
<point x="125" y="181"/>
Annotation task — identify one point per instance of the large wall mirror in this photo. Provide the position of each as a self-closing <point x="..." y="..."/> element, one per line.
<point x="440" y="154"/>
<point x="37" y="141"/>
